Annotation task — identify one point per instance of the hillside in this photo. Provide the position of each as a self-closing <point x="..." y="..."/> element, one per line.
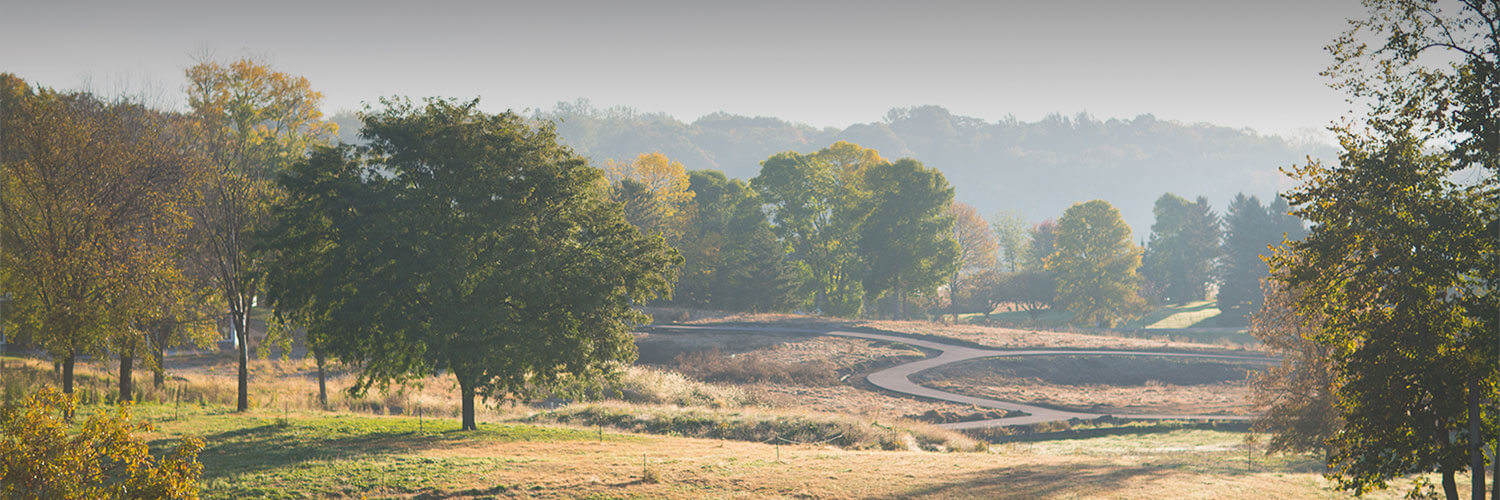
<point x="1038" y="168"/>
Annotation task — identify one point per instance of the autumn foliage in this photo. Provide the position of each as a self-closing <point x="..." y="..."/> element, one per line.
<point x="42" y="457"/>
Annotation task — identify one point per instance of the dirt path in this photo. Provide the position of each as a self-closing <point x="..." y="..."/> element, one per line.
<point x="898" y="378"/>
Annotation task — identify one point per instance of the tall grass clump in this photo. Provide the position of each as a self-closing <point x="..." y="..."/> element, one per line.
<point x="765" y="426"/>
<point x="714" y="366"/>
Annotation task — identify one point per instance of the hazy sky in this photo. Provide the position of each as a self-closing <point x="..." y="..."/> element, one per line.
<point x="1237" y="63"/>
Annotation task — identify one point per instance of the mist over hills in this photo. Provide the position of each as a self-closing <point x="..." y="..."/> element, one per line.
<point x="1038" y="168"/>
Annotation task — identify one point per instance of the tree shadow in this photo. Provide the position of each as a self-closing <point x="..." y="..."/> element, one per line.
<point x="276" y="445"/>
<point x="1033" y="481"/>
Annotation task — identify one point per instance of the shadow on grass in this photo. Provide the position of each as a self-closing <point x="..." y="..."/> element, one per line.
<point x="261" y="445"/>
<point x="274" y="446"/>
<point x="995" y="435"/>
<point x="1035" y="481"/>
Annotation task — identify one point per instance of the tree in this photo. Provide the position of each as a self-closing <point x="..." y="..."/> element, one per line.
<point x="1399" y="270"/>
<point x="733" y="260"/>
<point x="1184" y="243"/>
<point x="1428" y="68"/>
<point x="1430" y="71"/>
<point x="907" y="240"/>
<point x="253" y="122"/>
<point x="42" y="457"/>
<point x="1010" y="229"/>
<point x="816" y="205"/>
<point x="1297" y="398"/>
<point x="1042" y="243"/>
<point x="1248" y="235"/>
<point x="977" y="246"/>
<point x="655" y="192"/>
<point x="465" y="242"/>
<point x="91" y="196"/>
<point x="1095" y="264"/>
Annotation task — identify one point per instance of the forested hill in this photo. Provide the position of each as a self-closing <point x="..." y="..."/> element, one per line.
<point x="1039" y="168"/>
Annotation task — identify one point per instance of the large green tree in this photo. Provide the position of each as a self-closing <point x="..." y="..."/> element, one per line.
<point x="1399" y="269"/>
<point x="465" y="242"/>
<point x="1184" y="243"/>
<point x="907" y="240"/>
<point x="732" y="258"/>
<point x="816" y="204"/>
<point x="1096" y="265"/>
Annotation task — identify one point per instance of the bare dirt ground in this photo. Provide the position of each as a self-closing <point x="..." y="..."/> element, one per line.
<point x="1103" y="384"/>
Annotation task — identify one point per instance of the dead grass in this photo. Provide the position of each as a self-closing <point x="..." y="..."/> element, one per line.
<point x="764" y="426"/>
<point x="1103" y="384"/>
<point x="989" y="336"/>
<point x="351" y="457"/>
<point x="713" y="365"/>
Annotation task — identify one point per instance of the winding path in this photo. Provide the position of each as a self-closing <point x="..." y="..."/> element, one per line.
<point x="898" y="378"/>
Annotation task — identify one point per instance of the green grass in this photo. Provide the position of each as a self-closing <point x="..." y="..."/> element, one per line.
<point x="266" y="456"/>
<point x="1051" y="318"/>
<point x="1202" y="313"/>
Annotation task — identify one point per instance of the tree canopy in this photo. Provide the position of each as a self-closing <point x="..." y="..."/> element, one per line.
<point x="1096" y="265"/>
<point x="466" y="242"/>
<point x="1184" y="244"/>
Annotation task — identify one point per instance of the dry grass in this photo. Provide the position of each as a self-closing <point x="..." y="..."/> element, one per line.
<point x="639" y="384"/>
<point x="849" y="359"/>
<point x="1103" y="384"/>
<point x="764" y="426"/>
<point x="349" y="457"/>
<point x="994" y="337"/>
<point x="713" y="365"/>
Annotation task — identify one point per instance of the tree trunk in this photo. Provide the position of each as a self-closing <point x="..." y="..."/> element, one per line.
<point x="127" y="363"/>
<point x="467" y="395"/>
<point x="243" y="335"/>
<point x="322" y="381"/>
<point x="157" y="336"/>
<point x="67" y="381"/>
<point x="1476" y="445"/>
<point x="159" y="372"/>
<point x="1450" y="484"/>
<point x="67" y="374"/>
<point x="900" y="301"/>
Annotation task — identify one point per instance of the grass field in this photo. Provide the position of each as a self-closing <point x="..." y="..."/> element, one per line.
<point x="670" y="435"/>
<point x="320" y="455"/>
<point x="1103" y="384"/>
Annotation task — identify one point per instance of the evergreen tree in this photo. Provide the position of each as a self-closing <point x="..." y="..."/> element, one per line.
<point x="1184" y="243"/>
<point x="1249" y="232"/>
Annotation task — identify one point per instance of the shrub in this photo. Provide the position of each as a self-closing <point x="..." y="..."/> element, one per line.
<point x="40" y="459"/>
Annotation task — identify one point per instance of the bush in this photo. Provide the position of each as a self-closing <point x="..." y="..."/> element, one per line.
<point x="40" y="459"/>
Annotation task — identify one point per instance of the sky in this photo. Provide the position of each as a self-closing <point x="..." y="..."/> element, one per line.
<point x="1251" y="64"/>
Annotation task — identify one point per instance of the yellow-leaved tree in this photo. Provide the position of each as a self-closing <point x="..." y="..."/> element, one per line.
<point x="655" y="192"/>
<point x="92" y="206"/>
<point x="254" y="122"/>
